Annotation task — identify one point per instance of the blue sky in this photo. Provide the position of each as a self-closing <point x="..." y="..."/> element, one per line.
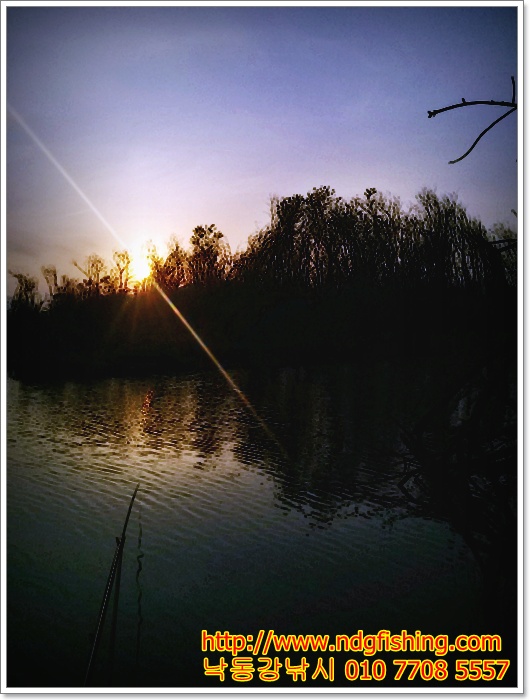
<point x="169" y="117"/>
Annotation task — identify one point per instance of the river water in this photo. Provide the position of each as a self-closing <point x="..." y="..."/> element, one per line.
<point x="298" y="526"/>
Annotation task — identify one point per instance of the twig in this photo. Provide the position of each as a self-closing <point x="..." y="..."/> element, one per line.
<point x="451" y="162"/>
<point x="495" y="103"/>
<point x="464" y="103"/>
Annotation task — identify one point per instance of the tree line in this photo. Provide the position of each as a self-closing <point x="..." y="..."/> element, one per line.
<point x="208" y="261"/>
<point x="317" y="241"/>
<point x="326" y="277"/>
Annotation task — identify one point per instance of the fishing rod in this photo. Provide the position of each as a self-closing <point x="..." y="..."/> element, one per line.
<point x="120" y="542"/>
<point x="114" y="623"/>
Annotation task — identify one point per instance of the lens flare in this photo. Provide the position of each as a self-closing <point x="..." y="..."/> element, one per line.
<point x="64" y="173"/>
<point x="231" y="383"/>
<point x="219" y="366"/>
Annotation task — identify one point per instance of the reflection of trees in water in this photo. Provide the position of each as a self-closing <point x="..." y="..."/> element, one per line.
<point x="339" y="427"/>
<point x="359" y="441"/>
<point x="347" y="431"/>
<point x="336" y="427"/>
<point x="374" y="442"/>
<point x="461" y="462"/>
<point x="208" y="423"/>
<point x="190" y="414"/>
<point x="116" y="421"/>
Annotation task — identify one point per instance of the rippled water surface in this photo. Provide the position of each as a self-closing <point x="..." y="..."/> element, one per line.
<point x="232" y="529"/>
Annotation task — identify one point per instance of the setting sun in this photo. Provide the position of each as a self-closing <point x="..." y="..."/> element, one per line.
<point x="140" y="267"/>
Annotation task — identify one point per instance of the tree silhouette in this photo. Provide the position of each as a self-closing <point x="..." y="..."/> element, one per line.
<point x="176" y="264"/>
<point x="465" y="103"/>
<point x="94" y="269"/>
<point x="122" y="261"/>
<point x="209" y="259"/>
<point x="26" y="294"/>
<point x="49" y="272"/>
<point x="323" y="242"/>
<point x="170" y="272"/>
<point x="327" y="277"/>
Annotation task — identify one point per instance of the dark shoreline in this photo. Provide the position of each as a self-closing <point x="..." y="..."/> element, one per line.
<point x="140" y="336"/>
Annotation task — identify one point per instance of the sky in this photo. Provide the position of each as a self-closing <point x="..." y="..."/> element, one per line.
<point x="127" y="124"/>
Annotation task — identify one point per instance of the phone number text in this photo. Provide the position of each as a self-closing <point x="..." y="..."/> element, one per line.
<point x="242" y="669"/>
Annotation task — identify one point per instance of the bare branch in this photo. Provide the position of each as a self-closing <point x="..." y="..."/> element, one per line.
<point x="434" y="112"/>
<point x="464" y="103"/>
<point x="451" y="162"/>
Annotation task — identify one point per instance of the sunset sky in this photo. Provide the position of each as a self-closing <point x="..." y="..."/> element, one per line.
<point x="169" y="117"/>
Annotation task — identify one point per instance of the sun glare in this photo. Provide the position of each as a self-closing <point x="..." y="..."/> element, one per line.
<point x="140" y="264"/>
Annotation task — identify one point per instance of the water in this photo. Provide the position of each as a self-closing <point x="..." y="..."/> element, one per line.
<point x="303" y="529"/>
